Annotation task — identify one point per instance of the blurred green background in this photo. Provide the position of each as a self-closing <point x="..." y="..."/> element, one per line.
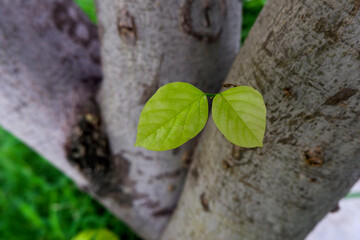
<point x="39" y="202"/>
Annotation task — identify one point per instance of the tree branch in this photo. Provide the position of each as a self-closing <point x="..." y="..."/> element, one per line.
<point x="304" y="57"/>
<point x="49" y="67"/>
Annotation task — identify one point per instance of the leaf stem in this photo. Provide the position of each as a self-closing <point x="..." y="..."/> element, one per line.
<point x="210" y="94"/>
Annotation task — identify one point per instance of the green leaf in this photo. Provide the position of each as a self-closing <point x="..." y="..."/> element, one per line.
<point x="240" y="114"/>
<point x="176" y="113"/>
<point x="96" y="234"/>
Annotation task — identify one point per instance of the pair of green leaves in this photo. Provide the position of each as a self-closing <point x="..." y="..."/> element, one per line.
<point x="178" y="111"/>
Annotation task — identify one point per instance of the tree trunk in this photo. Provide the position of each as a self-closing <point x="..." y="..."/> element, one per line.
<point x="146" y="44"/>
<point x="304" y="57"/>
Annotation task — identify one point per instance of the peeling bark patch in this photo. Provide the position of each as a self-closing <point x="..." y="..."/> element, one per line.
<point x="88" y="149"/>
<point x="126" y="27"/>
<point x="187" y="26"/>
<point x="340" y="96"/>
<point x="165" y="212"/>
<point x="204" y="202"/>
<point x="314" y="157"/>
<point x="88" y="146"/>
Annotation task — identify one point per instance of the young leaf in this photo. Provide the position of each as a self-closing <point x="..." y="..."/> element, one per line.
<point x="176" y="113"/>
<point x="240" y="114"/>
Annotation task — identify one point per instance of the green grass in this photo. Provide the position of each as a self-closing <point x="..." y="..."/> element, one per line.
<point x="39" y="202"/>
<point x="251" y="9"/>
<point x="88" y="6"/>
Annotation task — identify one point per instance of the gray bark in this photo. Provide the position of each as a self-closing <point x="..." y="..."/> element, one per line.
<point x="146" y="44"/>
<point x="304" y="58"/>
<point x="49" y="67"/>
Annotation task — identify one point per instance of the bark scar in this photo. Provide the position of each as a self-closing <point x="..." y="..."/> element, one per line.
<point x="88" y="149"/>
<point x="340" y="96"/>
<point x="207" y="9"/>
<point x="88" y="145"/>
<point x="314" y="157"/>
<point x="186" y="21"/>
<point x="126" y="27"/>
<point x="204" y="202"/>
<point x="164" y="212"/>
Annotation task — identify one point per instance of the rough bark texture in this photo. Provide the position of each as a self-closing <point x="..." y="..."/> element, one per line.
<point x="304" y="56"/>
<point x="146" y="44"/>
<point x="49" y="69"/>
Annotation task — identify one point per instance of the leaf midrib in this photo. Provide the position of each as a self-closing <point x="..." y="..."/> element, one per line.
<point x="231" y="107"/>
<point x="170" y="119"/>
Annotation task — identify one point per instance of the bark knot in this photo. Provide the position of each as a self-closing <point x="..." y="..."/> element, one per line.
<point x="209" y="16"/>
<point x="126" y="27"/>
